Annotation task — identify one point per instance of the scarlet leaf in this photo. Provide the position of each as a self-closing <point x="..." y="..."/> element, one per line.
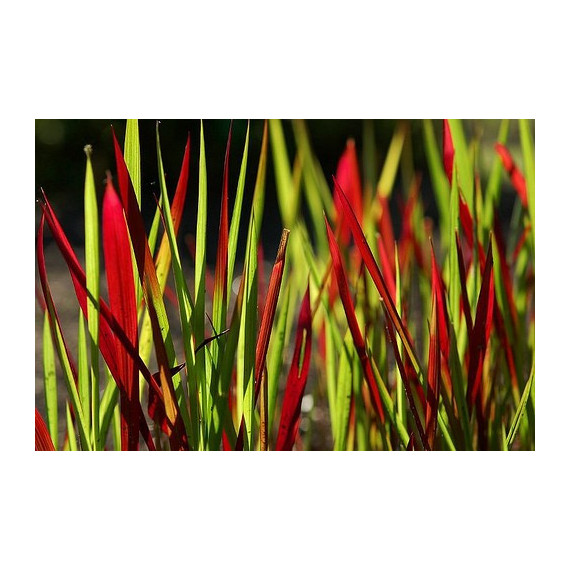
<point x="152" y="294"/>
<point x="266" y="324"/>
<point x="442" y="315"/>
<point x="296" y="380"/>
<point x="463" y="281"/>
<point x="406" y="381"/>
<point x="348" y="178"/>
<point x="353" y="325"/>
<point x="108" y="325"/>
<point x="448" y="151"/>
<point x="43" y="439"/>
<point x="517" y="179"/>
<point x="164" y="255"/>
<point x="481" y="330"/>
<point x="268" y="317"/>
<point x="120" y="282"/>
<point x="376" y="275"/>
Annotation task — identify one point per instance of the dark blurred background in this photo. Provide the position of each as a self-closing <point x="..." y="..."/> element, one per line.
<point x="60" y="163"/>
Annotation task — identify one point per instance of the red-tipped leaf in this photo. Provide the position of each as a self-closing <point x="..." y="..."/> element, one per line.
<point x="353" y="325"/>
<point x="122" y="300"/>
<point x="269" y="309"/>
<point x="348" y="177"/>
<point x="376" y="275"/>
<point x="296" y="380"/>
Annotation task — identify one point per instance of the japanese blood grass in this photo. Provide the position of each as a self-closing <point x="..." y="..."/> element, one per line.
<point x="410" y="335"/>
<point x="182" y="406"/>
<point x="450" y="350"/>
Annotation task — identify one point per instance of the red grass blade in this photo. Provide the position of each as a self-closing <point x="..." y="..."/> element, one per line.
<point x="406" y="381"/>
<point x="448" y="151"/>
<point x="481" y="330"/>
<point x="164" y="255"/>
<point x="348" y="177"/>
<point x="120" y="282"/>
<point x="296" y="381"/>
<point x="266" y="323"/>
<point x="348" y="306"/>
<point x="108" y="325"/>
<point x="49" y="304"/>
<point x="152" y="294"/>
<point x="268" y="316"/>
<point x="43" y="439"/>
<point x="517" y="179"/>
<point x="466" y="221"/>
<point x="463" y="281"/>
<point x="376" y="275"/>
<point x="442" y="315"/>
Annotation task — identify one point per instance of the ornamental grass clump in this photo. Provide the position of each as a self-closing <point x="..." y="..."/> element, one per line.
<point x="402" y="333"/>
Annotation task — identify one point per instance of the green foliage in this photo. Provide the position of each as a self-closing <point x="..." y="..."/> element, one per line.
<point x="372" y="309"/>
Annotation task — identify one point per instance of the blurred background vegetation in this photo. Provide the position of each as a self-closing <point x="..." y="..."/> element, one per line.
<point x="60" y="162"/>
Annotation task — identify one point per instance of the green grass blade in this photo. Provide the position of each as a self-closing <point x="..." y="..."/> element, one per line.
<point x="116" y="428"/>
<point x="331" y="368"/>
<point x="528" y="159"/>
<point x="317" y="192"/>
<point x="153" y="233"/>
<point x="521" y="409"/>
<point x="392" y="162"/>
<point x="275" y="356"/>
<point x="83" y="370"/>
<point x="109" y="401"/>
<point x="462" y="163"/>
<point x="454" y="285"/>
<point x="389" y="407"/>
<point x="246" y="342"/>
<point x="287" y="196"/>
<point x="185" y="305"/>
<point x="343" y="393"/>
<point x="60" y="344"/>
<point x="200" y="281"/>
<point x="494" y="184"/>
<point x="133" y="155"/>
<point x="71" y="437"/>
<point x="438" y="177"/>
<point x="236" y="213"/>
<point x="92" y="272"/>
<point x="50" y="382"/>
